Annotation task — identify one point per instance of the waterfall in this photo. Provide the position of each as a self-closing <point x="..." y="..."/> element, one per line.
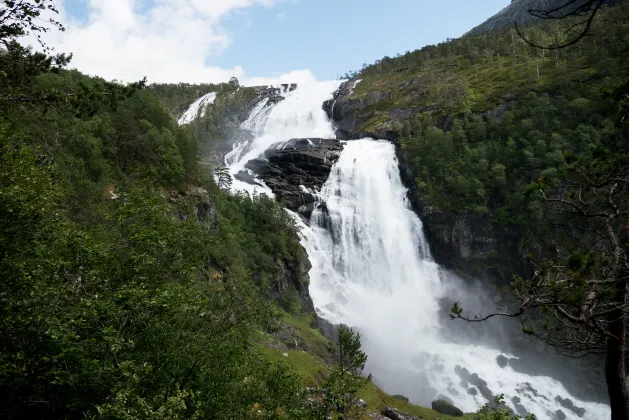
<point x="372" y="270"/>
<point x="300" y="114"/>
<point x="197" y="108"/>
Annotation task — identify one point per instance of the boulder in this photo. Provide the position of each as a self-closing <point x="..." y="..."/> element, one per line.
<point x="395" y="414"/>
<point x="444" y="407"/>
<point x="502" y="361"/>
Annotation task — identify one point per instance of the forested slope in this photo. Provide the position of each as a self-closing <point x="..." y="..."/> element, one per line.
<point x="481" y="117"/>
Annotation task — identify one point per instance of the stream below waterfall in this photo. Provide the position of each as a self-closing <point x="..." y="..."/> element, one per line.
<point x="372" y="270"/>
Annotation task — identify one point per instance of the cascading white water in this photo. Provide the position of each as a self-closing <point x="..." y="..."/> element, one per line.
<point x="300" y="114"/>
<point x="372" y="269"/>
<point x="197" y="108"/>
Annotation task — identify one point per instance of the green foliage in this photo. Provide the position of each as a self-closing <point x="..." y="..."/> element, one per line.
<point x="495" y="412"/>
<point x="497" y="120"/>
<point x="120" y="298"/>
<point x="345" y="380"/>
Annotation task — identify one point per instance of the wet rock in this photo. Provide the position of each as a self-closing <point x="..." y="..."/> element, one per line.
<point x="559" y="415"/>
<point x="445" y="407"/>
<point x="462" y="372"/>
<point x="519" y="407"/>
<point x="502" y="361"/>
<point x="247" y="177"/>
<point x="377" y="416"/>
<point x="395" y="414"/>
<point x="472" y="391"/>
<point x="486" y="392"/>
<point x="464" y="384"/>
<point x="568" y="404"/>
<point x="296" y="169"/>
<point x="476" y="380"/>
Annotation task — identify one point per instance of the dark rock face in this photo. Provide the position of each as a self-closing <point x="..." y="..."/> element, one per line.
<point x="445" y="407"/>
<point x="297" y="169"/>
<point x="205" y="207"/>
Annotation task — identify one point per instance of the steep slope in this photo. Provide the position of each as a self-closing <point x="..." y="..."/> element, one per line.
<point x="518" y="12"/>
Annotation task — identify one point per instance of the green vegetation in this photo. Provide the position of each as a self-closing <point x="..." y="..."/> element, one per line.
<point x="211" y="128"/>
<point x="132" y="286"/>
<point x="492" y="114"/>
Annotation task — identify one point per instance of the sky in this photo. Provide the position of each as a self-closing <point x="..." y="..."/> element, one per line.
<point x="257" y="41"/>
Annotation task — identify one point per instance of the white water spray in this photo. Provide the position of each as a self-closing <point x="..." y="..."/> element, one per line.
<point x="372" y="269"/>
<point x="197" y="109"/>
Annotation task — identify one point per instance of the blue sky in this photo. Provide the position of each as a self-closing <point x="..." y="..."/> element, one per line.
<point x="331" y="37"/>
<point x="199" y="40"/>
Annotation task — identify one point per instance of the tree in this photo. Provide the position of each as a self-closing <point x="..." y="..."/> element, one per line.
<point x="345" y="380"/>
<point x="22" y="17"/>
<point x="223" y="178"/>
<point x="585" y="10"/>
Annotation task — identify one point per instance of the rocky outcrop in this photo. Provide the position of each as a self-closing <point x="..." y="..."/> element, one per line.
<point x="395" y="414"/>
<point x="351" y="116"/>
<point x="205" y="208"/>
<point x="296" y="169"/>
<point x="292" y="283"/>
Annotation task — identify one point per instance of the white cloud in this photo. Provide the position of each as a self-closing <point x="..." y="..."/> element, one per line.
<point x="168" y="41"/>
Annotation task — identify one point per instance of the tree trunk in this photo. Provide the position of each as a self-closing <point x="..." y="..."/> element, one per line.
<point x="615" y="370"/>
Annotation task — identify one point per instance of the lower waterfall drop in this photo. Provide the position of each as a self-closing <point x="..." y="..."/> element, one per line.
<point x="372" y="270"/>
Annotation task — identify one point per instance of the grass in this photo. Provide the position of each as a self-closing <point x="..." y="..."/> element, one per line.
<point x="447" y="89"/>
<point x="311" y="367"/>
